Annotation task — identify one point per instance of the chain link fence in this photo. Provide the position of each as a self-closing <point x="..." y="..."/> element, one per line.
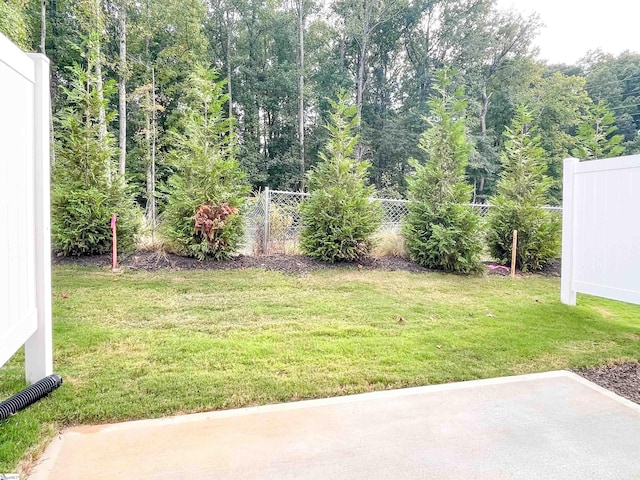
<point x="273" y="220"/>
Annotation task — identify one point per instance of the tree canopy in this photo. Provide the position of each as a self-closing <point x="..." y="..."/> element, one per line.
<point x="283" y="60"/>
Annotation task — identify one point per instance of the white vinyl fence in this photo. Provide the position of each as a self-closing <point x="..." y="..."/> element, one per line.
<point x="274" y="223"/>
<point x="25" y="246"/>
<point x="601" y="229"/>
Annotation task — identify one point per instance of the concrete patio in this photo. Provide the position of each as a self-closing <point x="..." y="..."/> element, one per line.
<point x="545" y="426"/>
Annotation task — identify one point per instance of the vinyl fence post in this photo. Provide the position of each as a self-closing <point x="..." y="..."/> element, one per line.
<point x="567" y="294"/>
<point x="38" y="348"/>
<point x="267" y="208"/>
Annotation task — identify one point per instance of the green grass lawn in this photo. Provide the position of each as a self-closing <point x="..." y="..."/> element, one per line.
<point x="144" y="344"/>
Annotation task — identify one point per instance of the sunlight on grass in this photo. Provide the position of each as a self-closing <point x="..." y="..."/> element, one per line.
<point x="146" y="344"/>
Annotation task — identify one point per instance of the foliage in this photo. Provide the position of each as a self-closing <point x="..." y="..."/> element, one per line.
<point x="86" y="191"/>
<point x="339" y="217"/>
<point x="597" y="136"/>
<point x="442" y="233"/>
<point x="616" y="81"/>
<point x="522" y="192"/>
<point x="559" y="104"/>
<point x="207" y="181"/>
<point x="13" y="22"/>
<point x="384" y="53"/>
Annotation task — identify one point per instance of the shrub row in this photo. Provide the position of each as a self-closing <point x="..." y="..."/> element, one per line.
<point x="207" y="189"/>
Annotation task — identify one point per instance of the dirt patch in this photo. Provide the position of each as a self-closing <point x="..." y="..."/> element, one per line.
<point x="621" y="378"/>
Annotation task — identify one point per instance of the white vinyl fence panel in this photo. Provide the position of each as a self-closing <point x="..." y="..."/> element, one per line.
<point x="25" y="258"/>
<point x="601" y="229"/>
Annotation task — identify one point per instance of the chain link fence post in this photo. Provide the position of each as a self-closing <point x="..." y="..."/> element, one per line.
<point x="267" y="208"/>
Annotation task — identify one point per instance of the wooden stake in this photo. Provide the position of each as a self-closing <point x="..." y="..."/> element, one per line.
<point x="114" y="245"/>
<point x="514" y="249"/>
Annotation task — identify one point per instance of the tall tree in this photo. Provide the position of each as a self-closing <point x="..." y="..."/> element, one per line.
<point x="86" y="190"/>
<point x="616" y="80"/>
<point x="122" y="86"/>
<point x="441" y="232"/>
<point x="339" y="217"/>
<point x="361" y="19"/>
<point x="522" y="194"/>
<point x="207" y="190"/>
<point x="43" y="26"/>
<point x="491" y="43"/>
<point x="559" y="104"/>
<point x="300" y="16"/>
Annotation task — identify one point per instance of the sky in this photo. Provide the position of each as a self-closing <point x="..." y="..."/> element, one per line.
<point x="575" y="26"/>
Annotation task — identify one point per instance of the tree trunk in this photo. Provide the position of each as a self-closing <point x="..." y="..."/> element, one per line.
<point x="301" y="89"/>
<point x="102" y="117"/>
<point x="360" y="85"/>
<point x="229" y="61"/>
<point x="122" y="88"/>
<point x="483" y="111"/>
<point x="43" y="50"/>
<point x="154" y="133"/>
<point x="43" y="26"/>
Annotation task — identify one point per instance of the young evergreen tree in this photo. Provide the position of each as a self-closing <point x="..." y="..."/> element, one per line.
<point x="441" y="231"/>
<point x="206" y="192"/>
<point x="84" y="196"/>
<point x="339" y="217"/>
<point x="597" y="136"/>
<point x="522" y="192"/>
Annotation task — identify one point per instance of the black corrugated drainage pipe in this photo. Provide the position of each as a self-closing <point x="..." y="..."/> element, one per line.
<point x="29" y="395"/>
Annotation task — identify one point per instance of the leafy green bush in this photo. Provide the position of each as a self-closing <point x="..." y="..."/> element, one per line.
<point x="86" y="190"/>
<point x="441" y="232"/>
<point x="339" y="218"/>
<point x="522" y="192"/>
<point x="205" y="194"/>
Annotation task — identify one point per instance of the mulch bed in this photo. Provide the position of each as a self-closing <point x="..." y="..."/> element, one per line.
<point x="150" y="261"/>
<point x="622" y="378"/>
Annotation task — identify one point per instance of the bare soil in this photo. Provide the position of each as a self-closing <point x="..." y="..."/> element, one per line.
<point x="621" y="378"/>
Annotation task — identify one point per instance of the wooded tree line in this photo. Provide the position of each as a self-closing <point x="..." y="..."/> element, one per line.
<point x="285" y="60"/>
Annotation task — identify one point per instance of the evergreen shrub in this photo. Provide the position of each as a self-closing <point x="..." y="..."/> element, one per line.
<point x="442" y="232"/>
<point x="522" y="193"/>
<point x="86" y="188"/>
<point x="339" y="216"/>
<point x="205" y="195"/>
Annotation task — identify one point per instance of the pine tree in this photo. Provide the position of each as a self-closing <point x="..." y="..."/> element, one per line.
<point x="339" y="217"/>
<point x="84" y="195"/>
<point x="441" y="231"/>
<point x="522" y="193"/>
<point x="206" y="192"/>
